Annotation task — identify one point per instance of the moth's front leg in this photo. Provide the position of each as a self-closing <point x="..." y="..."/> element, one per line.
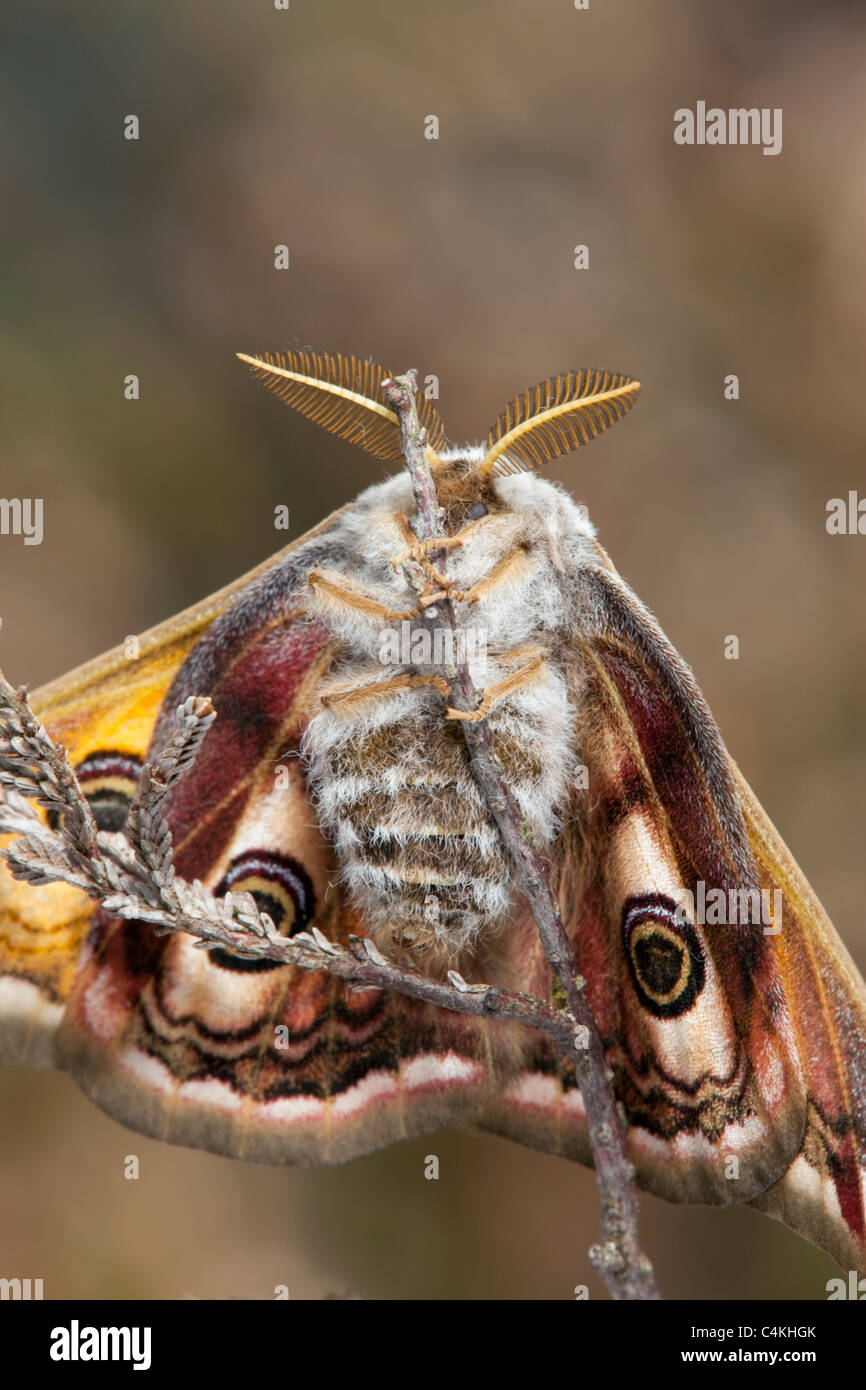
<point x="510" y="568"/>
<point x="334" y="590"/>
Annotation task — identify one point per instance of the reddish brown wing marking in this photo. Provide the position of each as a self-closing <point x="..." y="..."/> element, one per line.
<point x="107" y="707"/>
<point x="696" y="1022"/>
<point x="823" y="1195"/>
<point x="248" y="1058"/>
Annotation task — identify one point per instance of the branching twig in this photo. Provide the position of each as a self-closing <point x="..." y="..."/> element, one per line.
<point x="626" y="1271"/>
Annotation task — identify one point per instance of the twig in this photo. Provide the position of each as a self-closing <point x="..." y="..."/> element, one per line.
<point x="626" y="1271"/>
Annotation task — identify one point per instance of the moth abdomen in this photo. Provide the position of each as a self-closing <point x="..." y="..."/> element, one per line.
<point x="417" y="846"/>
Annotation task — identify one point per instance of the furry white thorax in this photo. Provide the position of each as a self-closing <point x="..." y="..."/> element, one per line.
<point x="541" y="516"/>
<point x="533" y="608"/>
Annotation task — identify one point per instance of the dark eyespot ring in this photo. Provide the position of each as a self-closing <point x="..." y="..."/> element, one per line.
<point x="663" y="954"/>
<point x="108" y="780"/>
<point x="280" y="887"/>
<point x="476" y="510"/>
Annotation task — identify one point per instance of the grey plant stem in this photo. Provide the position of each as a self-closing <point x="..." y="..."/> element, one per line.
<point x="626" y="1271"/>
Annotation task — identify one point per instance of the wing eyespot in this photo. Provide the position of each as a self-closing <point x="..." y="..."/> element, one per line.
<point x="280" y="887"/>
<point x="108" y="779"/>
<point x="664" y="957"/>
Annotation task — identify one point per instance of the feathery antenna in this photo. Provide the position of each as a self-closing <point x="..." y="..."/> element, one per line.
<point x="342" y="394"/>
<point x="556" y="417"/>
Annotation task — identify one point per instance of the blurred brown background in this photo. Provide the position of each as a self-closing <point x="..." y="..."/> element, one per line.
<point x="556" y="128"/>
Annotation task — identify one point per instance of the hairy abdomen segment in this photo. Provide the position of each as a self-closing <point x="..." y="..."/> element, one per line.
<point x="417" y="846"/>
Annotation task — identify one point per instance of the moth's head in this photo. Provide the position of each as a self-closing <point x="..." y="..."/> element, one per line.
<point x="345" y="396"/>
<point x="463" y="490"/>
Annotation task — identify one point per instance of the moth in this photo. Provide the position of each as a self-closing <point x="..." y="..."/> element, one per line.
<point x="335" y="787"/>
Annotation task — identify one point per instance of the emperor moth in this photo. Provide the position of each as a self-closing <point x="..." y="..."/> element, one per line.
<point x="335" y="787"/>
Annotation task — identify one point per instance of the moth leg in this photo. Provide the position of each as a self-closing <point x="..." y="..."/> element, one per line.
<point x="432" y="573"/>
<point x="358" y="692"/>
<point x="337" y="589"/>
<point x="508" y="568"/>
<point x="419" y="551"/>
<point x="416" y="554"/>
<point x="523" y="676"/>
